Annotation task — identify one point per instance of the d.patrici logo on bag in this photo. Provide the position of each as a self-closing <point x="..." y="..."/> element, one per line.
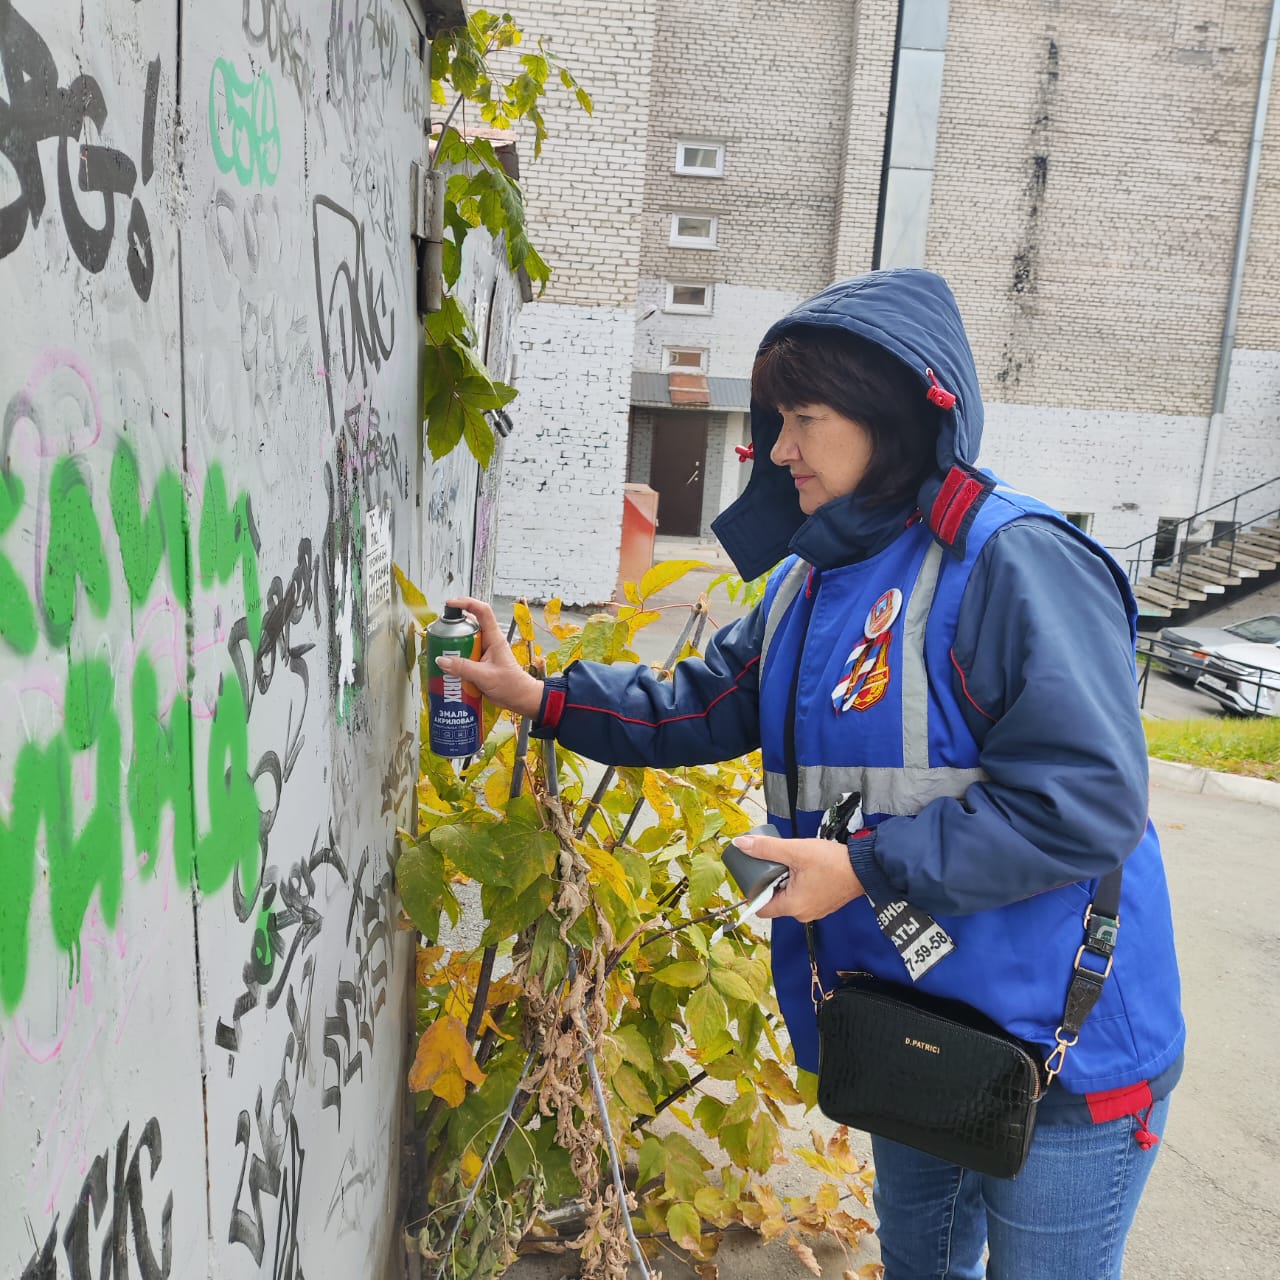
<point x="920" y="1044"/>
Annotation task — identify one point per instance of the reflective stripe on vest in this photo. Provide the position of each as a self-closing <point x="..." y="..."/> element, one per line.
<point x="889" y="791"/>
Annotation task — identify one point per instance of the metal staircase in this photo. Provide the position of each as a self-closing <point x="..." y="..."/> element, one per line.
<point x="1199" y="563"/>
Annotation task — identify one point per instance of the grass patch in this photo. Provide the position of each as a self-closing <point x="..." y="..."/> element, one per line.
<point x="1249" y="747"/>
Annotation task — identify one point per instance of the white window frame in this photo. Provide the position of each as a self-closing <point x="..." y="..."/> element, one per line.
<point x="669" y="366"/>
<point x="687" y="308"/>
<point x="699" y="171"/>
<point x="679" y="241"/>
<point x="1083" y="520"/>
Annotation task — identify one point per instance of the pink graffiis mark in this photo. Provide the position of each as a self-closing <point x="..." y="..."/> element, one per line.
<point x="145" y="965"/>
<point x="320" y="373"/>
<point x="71" y="1089"/>
<point x="64" y="358"/>
<point x="202" y="710"/>
<point x="4" y="1068"/>
<point x="84" y="769"/>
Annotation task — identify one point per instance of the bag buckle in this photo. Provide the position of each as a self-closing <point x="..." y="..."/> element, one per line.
<point x="816" y="992"/>
<point x="1053" y="1063"/>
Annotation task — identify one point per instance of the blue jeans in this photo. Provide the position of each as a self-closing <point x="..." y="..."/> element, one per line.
<point x="1064" y="1217"/>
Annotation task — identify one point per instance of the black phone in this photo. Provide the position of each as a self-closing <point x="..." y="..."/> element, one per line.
<point x="754" y="875"/>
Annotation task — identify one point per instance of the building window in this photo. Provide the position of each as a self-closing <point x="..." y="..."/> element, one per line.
<point x="693" y="230"/>
<point x="700" y="158"/>
<point x="693" y="299"/>
<point x="684" y="360"/>
<point x="1083" y="520"/>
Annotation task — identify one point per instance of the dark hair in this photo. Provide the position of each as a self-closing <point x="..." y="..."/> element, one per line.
<point x="860" y="380"/>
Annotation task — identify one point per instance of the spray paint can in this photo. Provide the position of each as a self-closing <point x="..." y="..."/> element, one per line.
<point x="453" y="704"/>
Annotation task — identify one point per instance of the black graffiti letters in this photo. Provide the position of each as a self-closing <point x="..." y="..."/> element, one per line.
<point x="357" y="322"/>
<point x="40" y="110"/>
<point x="269" y="23"/>
<point x="118" y="1203"/>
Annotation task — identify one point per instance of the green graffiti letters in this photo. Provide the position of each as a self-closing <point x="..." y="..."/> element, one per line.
<point x="75" y="551"/>
<point x="160" y="774"/>
<point x="244" y="129"/>
<point x="84" y="856"/>
<point x="17" y="615"/>
<point x="233" y="803"/>
<point x="227" y="536"/>
<point x="144" y="539"/>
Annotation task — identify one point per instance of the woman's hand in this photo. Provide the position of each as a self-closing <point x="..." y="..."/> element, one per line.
<point x="821" y="879"/>
<point x="497" y="674"/>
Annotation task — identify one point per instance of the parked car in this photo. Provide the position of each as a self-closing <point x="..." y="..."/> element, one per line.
<point x="1244" y="678"/>
<point x="1186" y="651"/>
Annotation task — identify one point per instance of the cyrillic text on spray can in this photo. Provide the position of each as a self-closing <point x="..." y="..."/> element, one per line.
<point x="453" y="704"/>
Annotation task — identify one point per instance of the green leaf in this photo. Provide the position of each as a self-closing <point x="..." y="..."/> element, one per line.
<point x="635" y="1049"/>
<point x="420" y="880"/>
<point x="706" y="879"/>
<point x="709" y="1113"/>
<point x="630" y="1089"/>
<point x="508" y="915"/>
<point x="706" y="1016"/>
<point x="684" y="973"/>
<point x="732" y="984"/>
<point x="651" y="1159"/>
<point x="685" y="1227"/>
<point x="807" y="1087"/>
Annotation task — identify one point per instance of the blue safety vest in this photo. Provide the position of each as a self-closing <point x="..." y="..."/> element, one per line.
<point x="905" y="743"/>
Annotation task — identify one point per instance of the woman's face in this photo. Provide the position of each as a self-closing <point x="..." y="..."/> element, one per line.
<point x="826" y="453"/>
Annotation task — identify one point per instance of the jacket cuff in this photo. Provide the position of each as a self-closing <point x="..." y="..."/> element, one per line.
<point x="554" y="692"/>
<point x="866" y="866"/>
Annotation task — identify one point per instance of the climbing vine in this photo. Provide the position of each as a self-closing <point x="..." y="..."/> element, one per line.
<point x="601" y="966"/>
<point x="479" y="192"/>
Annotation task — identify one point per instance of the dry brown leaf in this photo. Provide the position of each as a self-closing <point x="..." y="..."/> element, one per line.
<point x="805" y="1255"/>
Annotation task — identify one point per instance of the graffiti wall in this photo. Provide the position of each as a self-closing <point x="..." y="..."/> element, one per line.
<point x="209" y="457"/>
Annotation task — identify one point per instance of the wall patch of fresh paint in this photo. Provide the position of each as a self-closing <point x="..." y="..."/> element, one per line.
<point x="566" y="459"/>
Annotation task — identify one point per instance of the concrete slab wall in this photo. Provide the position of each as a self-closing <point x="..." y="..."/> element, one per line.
<point x="210" y="455"/>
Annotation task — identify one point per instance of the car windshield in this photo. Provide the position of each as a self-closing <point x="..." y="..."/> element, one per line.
<point x="1264" y="630"/>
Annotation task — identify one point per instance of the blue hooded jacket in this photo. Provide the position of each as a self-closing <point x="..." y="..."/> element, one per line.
<point x="1053" y="721"/>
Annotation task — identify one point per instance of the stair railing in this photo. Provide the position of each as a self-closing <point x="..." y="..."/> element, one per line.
<point x="1134" y="557"/>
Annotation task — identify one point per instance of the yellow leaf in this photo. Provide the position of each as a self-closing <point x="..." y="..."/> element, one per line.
<point x="428" y="963"/>
<point x="524" y="621"/>
<point x="828" y="1197"/>
<point x="470" y="1164"/>
<point x="664" y="574"/>
<point x="551" y="615"/>
<point x="604" y="867"/>
<point x="772" y="1227"/>
<point x="444" y="1063"/>
<point x="805" y="1254"/>
<point x="656" y="796"/>
<point x="414" y="600"/>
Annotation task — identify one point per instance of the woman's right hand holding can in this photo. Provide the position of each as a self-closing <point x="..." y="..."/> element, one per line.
<point x="497" y="674"/>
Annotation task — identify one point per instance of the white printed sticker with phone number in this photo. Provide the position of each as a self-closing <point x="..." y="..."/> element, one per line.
<point x="917" y="937"/>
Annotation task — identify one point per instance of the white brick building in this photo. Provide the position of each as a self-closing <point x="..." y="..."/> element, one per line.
<point x="1076" y="174"/>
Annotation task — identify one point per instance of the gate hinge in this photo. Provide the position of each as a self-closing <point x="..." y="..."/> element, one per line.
<point x="426" y="226"/>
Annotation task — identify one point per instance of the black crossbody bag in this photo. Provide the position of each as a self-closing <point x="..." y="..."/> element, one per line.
<point x="936" y="1074"/>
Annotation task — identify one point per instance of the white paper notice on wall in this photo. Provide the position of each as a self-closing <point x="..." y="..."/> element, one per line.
<point x="377" y="567"/>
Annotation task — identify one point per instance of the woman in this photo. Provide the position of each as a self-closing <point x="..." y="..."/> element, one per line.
<point x="962" y="657"/>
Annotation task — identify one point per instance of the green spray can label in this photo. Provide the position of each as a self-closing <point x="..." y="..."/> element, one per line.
<point x="453" y="704"/>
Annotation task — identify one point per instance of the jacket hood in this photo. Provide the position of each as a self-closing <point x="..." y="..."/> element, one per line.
<point x="913" y="316"/>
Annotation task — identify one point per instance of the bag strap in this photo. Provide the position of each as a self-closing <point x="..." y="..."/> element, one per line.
<point x="1101" y="917"/>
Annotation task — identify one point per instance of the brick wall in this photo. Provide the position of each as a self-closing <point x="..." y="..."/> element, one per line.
<point x="768" y="81"/>
<point x="731" y="334"/>
<point x="1086" y="194"/>
<point x="585" y="193"/>
<point x="566" y="457"/>
<point x="874" y="28"/>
